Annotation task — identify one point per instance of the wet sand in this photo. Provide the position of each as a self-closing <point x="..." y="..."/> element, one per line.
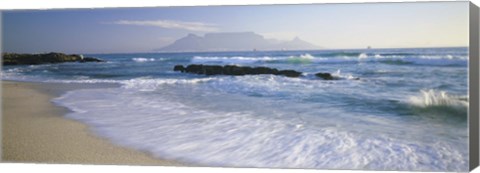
<point x="35" y="131"/>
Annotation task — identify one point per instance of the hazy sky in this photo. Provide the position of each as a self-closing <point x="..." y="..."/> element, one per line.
<point x="331" y="26"/>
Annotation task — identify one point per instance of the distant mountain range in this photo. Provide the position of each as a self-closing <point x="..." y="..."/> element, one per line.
<point x="233" y="41"/>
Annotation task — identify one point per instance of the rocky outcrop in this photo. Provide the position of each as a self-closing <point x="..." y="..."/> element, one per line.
<point x="234" y="70"/>
<point x="48" y="58"/>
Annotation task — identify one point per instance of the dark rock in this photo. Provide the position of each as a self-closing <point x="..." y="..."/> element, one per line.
<point x="201" y="69"/>
<point x="236" y="70"/>
<point x="194" y="68"/>
<point x="228" y="69"/>
<point x="325" y="76"/>
<point x="212" y="70"/>
<point x="90" y="59"/>
<point x="233" y="70"/>
<point x="265" y="70"/>
<point x="179" y="68"/>
<point x="247" y="70"/>
<point x="289" y="73"/>
<point x="48" y="58"/>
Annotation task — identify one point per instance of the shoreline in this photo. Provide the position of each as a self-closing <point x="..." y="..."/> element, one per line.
<point x="34" y="130"/>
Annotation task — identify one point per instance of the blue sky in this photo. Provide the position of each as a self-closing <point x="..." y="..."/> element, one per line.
<point x="332" y="26"/>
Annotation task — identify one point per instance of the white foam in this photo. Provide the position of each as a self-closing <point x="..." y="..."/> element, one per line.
<point x="141" y="59"/>
<point x="304" y="58"/>
<point x="149" y="84"/>
<point x="232" y="60"/>
<point x="414" y="59"/>
<point x="341" y="75"/>
<point x="425" y="59"/>
<point x="173" y="130"/>
<point x="307" y="56"/>
<point x="362" y="56"/>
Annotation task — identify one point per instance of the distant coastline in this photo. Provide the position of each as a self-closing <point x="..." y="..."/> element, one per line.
<point x="46" y="58"/>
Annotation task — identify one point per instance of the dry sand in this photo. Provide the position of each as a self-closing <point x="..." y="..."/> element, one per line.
<point x="34" y="130"/>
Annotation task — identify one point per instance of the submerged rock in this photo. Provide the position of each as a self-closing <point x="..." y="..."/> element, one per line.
<point x="47" y="58"/>
<point x="289" y="73"/>
<point x="326" y="76"/>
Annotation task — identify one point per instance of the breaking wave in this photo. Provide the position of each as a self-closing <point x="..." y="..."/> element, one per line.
<point x="140" y="59"/>
<point x="171" y="129"/>
<point x="428" y="98"/>
<point x="436" y="60"/>
<point x="440" y="105"/>
<point x="232" y="60"/>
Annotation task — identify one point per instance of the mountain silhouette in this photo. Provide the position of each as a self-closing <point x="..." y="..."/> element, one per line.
<point x="233" y="41"/>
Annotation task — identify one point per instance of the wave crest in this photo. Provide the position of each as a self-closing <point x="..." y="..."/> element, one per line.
<point x="141" y="59"/>
<point x="302" y="59"/>
<point x="438" y="60"/>
<point x="148" y="84"/>
<point x="231" y="60"/>
<point x="431" y="97"/>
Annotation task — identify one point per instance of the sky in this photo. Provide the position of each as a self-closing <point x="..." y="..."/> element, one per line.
<point x="330" y="26"/>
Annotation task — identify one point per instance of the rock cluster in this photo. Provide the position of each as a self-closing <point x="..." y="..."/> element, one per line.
<point x="233" y="70"/>
<point x="47" y="58"/>
<point x="242" y="70"/>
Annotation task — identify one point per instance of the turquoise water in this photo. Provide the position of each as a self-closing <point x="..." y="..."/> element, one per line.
<point x="408" y="111"/>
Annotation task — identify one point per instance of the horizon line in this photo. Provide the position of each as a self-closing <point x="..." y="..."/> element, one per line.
<point x="324" y="49"/>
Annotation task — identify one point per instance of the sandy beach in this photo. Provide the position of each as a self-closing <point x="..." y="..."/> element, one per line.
<point x="34" y="131"/>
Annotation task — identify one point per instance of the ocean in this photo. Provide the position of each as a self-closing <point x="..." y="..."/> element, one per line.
<point x="407" y="110"/>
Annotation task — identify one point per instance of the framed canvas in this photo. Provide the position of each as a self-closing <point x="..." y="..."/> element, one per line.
<point x="356" y="86"/>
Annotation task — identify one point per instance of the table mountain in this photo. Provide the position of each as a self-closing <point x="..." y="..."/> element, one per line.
<point x="233" y="41"/>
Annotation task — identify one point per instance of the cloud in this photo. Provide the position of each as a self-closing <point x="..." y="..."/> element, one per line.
<point x="171" y="24"/>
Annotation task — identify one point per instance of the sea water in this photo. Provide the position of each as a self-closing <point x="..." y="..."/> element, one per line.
<point x="391" y="109"/>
